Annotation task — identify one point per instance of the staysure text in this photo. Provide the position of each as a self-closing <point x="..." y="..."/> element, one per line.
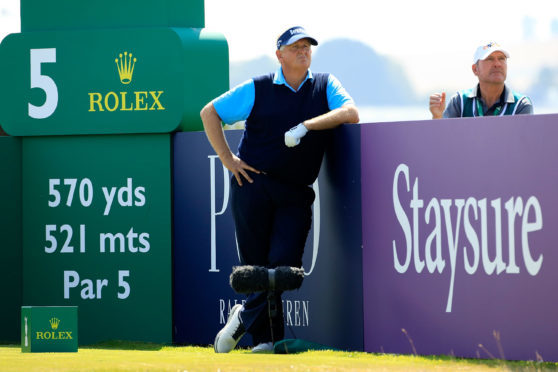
<point x="481" y="250"/>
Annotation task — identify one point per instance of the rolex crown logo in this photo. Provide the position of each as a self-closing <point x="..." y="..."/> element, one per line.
<point x="54" y="323"/>
<point x="125" y="67"/>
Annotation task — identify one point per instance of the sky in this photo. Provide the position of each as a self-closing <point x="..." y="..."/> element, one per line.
<point x="433" y="40"/>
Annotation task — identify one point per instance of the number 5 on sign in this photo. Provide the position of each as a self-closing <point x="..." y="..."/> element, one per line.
<point x="44" y="82"/>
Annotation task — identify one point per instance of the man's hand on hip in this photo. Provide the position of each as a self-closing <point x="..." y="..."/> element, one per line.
<point x="238" y="168"/>
<point x="293" y="135"/>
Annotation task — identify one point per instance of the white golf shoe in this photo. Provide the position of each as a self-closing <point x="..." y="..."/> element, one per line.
<point x="232" y="332"/>
<point x="264" y="347"/>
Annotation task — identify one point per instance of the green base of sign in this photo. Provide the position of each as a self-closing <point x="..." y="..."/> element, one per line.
<point x="49" y="329"/>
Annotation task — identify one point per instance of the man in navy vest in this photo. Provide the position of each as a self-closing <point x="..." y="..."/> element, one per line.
<point x="490" y="97"/>
<point x="289" y="116"/>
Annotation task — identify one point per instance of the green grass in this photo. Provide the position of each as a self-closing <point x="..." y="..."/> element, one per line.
<point x="129" y="356"/>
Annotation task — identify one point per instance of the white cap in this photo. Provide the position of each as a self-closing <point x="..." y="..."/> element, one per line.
<point x="485" y="50"/>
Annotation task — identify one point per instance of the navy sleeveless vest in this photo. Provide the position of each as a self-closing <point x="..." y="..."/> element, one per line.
<point x="276" y="110"/>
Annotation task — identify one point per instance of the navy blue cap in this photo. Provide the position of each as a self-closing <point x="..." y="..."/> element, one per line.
<point x="294" y="34"/>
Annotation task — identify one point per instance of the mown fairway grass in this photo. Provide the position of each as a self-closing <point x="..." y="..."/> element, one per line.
<point x="127" y="356"/>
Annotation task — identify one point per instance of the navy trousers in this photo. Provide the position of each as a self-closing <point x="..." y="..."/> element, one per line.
<point x="272" y="221"/>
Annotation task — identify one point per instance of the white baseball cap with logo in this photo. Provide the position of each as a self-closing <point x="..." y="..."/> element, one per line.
<point x="485" y="50"/>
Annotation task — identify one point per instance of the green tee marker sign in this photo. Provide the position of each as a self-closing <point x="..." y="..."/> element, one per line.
<point x="49" y="328"/>
<point x="95" y="90"/>
<point x="109" y="81"/>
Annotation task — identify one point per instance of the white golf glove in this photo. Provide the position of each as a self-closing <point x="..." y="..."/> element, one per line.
<point x="293" y="135"/>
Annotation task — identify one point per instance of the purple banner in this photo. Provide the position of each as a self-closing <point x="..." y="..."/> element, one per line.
<point x="460" y="225"/>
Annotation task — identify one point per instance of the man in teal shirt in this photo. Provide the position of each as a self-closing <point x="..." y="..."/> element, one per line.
<point x="491" y="97"/>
